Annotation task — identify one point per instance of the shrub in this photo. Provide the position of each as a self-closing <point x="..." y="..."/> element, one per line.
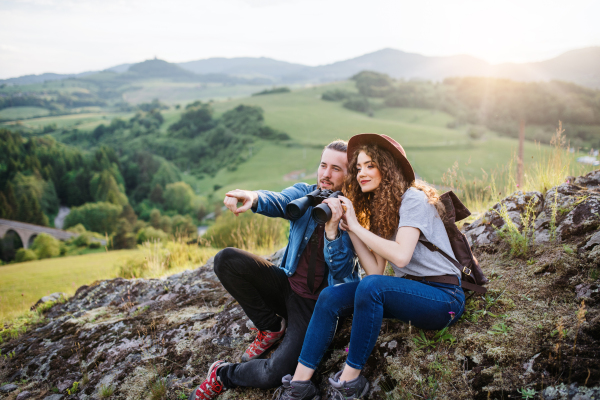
<point x="249" y="231"/>
<point x="360" y="104"/>
<point x="97" y="217"/>
<point x="179" y="196"/>
<point x="159" y="258"/>
<point x="46" y="246"/>
<point x="336" y="95"/>
<point x="150" y="234"/>
<point x="23" y="255"/>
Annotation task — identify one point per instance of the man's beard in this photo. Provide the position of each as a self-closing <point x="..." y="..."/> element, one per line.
<point x="333" y="187"/>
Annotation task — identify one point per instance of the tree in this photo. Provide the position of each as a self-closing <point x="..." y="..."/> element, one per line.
<point x="156" y="195"/>
<point x="178" y="196"/>
<point x="124" y="237"/>
<point x="101" y="217"/>
<point x="166" y="224"/>
<point x="155" y="218"/>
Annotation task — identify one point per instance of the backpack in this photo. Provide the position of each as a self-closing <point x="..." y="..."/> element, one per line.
<point x="471" y="274"/>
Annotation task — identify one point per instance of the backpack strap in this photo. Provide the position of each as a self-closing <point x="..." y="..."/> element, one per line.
<point x="465" y="270"/>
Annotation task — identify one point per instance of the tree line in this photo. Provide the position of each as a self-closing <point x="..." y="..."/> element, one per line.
<point x="499" y="104"/>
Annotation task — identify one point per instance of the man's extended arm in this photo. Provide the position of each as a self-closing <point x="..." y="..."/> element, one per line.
<point x="271" y="204"/>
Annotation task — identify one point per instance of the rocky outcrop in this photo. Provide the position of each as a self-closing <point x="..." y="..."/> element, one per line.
<point x="536" y="332"/>
<point x="575" y="205"/>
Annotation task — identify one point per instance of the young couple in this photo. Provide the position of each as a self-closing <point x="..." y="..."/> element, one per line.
<point x="381" y="219"/>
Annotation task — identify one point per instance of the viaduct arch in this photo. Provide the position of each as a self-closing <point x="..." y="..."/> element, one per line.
<point x="28" y="232"/>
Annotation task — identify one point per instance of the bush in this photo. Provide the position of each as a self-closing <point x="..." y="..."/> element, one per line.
<point x="179" y="196"/>
<point x="336" y="95"/>
<point x="25" y="255"/>
<point x="249" y="231"/>
<point x="162" y="257"/>
<point x="360" y="104"/>
<point x="99" y="217"/>
<point x="46" y="246"/>
<point x="150" y="234"/>
<point x="272" y="91"/>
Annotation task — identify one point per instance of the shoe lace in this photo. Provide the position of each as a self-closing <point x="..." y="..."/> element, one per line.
<point x="211" y="388"/>
<point x="260" y="339"/>
<point x="283" y="393"/>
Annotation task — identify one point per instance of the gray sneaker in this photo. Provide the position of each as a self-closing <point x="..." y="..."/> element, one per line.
<point x="297" y="390"/>
<point x="354" y="389"/>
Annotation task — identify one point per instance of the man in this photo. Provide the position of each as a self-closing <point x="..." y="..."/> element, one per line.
<point x="280" y="300"/>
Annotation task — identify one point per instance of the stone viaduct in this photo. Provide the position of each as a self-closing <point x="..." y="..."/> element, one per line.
<point x="28" y="232"/>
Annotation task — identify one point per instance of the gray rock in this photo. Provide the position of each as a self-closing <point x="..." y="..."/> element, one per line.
<point x="54" y="397"/>
<point x="11" y="387"/>
<point x="24" y="395"/>
<point x="594" y="241"/>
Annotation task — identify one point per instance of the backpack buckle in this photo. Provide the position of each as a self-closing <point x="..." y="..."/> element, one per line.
<point x="466" y="271"/>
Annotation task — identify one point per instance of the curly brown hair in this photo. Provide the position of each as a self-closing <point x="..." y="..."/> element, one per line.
<point x="378" y="210"/>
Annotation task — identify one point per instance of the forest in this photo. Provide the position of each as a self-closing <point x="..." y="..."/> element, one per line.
<point x="133" y="170"/>
<point x="498" y="104"/>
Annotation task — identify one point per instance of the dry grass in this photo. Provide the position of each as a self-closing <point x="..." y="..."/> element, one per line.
<point x="549" y="168"/>
<point x="159" y="258"/>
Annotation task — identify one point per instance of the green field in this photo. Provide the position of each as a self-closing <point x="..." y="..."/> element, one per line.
<point x="15" y="113"/>
<point x="83" y="121"/>
<point x="311" y="122"/>
<point x="25" y="283"/>
<point x="432" y="148"/>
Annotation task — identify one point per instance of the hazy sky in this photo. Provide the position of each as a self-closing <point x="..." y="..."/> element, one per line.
<point x="66" y="36"/>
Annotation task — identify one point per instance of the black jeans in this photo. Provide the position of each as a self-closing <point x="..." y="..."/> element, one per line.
<point x="263" y="291"/>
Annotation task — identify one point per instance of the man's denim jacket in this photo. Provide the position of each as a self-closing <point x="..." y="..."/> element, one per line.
<point x="339" y="253"/>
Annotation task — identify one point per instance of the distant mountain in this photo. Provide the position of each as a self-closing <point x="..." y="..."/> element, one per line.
<point x="399" y="64"/>
<point x="119" y="68"/>
<point x="41" y="78"/>
<point x="579" y="66"/>
<point x="246" y="67"/>
<point x="159" y="69"/>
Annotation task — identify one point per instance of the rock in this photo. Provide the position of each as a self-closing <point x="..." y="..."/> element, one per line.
<point x="11" y="387"/>
<point x="595" y="254"/>
<point x="191" y="320"/>
<point x="593" y="242"/>
<point x="24" y="395"/>
<point x="54" y="397"/>
<point x="51" y="297"/>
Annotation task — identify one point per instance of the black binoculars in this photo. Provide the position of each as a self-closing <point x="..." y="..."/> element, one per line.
<point x="320" y="213"/>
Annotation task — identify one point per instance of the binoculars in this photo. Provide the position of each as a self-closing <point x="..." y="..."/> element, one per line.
<point x="320" y="213"/>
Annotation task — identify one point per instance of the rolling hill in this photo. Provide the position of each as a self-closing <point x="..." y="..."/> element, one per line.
<point x="580" y="66"/>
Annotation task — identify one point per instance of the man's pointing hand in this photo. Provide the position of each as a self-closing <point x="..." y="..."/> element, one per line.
<point x="246" y="197"/>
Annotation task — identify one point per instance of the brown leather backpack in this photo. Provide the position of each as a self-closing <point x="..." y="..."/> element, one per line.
<point x="472" y="277"/>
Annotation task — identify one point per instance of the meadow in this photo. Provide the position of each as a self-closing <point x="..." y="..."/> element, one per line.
<point x="25" y="283"/>
<point x="446" y="157"/>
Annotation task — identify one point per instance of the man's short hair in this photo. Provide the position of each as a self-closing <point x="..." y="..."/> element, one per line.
<point x="337" y="145"/>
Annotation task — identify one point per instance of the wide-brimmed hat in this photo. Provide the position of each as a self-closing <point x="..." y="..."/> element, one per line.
<point x="387" y="143"/>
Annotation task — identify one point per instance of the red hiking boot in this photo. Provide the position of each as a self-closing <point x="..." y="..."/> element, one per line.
<point x="212" y="386"/>
<point x="264" y="340"/>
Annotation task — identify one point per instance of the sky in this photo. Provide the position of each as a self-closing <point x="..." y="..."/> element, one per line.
<point x="70" y="36"/>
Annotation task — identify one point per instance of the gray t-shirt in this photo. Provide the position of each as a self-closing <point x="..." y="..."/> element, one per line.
<point x="416" y="212"/>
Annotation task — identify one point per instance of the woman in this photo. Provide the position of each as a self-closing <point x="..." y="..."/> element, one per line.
<point x="387" y="212"/>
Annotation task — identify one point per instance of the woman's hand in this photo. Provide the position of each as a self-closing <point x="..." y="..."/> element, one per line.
<point x="349" y="221"/>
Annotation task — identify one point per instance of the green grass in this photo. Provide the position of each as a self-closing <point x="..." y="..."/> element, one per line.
<point x="15" y="113"/>
<point x="82" y="121"/>
<point x="186" y="92"/>
<point x="25" y="283"/>
<point x="432" y="148"/>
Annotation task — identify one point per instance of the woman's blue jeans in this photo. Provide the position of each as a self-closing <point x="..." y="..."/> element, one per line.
<point x="426" y="305"/>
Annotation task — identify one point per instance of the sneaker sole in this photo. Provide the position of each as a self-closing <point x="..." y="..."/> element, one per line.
<point x="365" y="390"/>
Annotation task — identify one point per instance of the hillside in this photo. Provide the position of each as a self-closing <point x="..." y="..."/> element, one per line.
<point x="536" y="332"/>
<point x="580" y="66"/>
